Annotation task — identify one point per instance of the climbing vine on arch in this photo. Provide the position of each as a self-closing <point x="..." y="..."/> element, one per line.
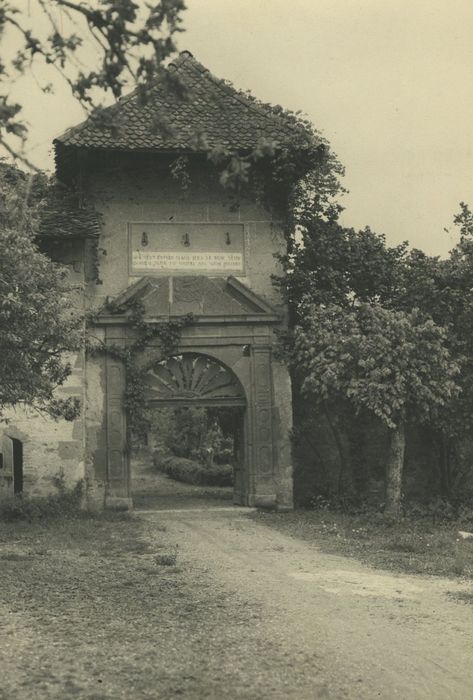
<point x="288" y="176"/>
<point x="166" y="332"/>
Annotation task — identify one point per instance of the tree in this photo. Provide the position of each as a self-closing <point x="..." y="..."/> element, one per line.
<point x="443" y="290"/>
<point x="332" y="264"/>
<point x="335" y="264"/>
<point x="393" y="364"/>
<point x="130" y="42"/>
<point x="37" y="325"/>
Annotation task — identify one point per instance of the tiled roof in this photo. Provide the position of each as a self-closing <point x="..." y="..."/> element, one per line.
<point x="167" y="122"/>
<point x="61" y="217"/>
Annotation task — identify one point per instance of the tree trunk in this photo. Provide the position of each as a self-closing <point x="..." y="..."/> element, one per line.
<point x="443" y="446"/>
<point x="345" y="477"/>
<point x="394" y="468"/>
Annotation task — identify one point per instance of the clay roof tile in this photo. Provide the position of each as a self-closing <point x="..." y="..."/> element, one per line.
<point x="212" y="108"/>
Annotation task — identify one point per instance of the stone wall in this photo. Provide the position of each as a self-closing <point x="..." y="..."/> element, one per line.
<point x="51" y="448"/>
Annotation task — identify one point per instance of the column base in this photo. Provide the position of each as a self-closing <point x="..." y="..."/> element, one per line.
<point x="263" y="501"/>
<point x="118" y="503"/>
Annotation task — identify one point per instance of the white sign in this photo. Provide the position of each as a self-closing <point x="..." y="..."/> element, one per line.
<point x="153" y="260"/>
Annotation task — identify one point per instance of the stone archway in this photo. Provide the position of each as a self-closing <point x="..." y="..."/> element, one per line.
<point x="195" y="379"/>
<point x="224" y="358"/>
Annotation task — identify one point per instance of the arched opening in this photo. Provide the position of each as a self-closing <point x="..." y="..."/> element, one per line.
<point x="195" y="444"/>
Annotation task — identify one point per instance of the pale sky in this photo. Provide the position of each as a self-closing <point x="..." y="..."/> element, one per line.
<point x="388" y="82"/>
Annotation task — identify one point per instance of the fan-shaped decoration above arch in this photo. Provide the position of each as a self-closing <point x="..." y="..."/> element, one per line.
<point x="193" y="379"/>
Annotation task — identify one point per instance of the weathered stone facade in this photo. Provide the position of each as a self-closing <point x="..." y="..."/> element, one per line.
<point x="143" y="193"/>
<point x="235" y="317"/>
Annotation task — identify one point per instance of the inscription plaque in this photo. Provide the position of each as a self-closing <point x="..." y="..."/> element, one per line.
<point x="203" y="248"/>
<point x="175" y="260"/>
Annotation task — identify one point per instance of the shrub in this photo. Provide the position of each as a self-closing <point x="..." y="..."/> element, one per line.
<point x="217" y="475"/>
<point x="66" y="503"/>
<point x="194" y="433"/>
<point x="190" y="472"/>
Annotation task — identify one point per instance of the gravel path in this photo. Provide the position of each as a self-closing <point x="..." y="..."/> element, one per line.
<point x="246" y="613"/>
<point x="334" y="627"/>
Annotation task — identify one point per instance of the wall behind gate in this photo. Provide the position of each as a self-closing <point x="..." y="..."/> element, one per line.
<point x="50" y="448"/>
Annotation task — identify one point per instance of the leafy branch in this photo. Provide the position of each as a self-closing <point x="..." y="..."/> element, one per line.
<point x="132" y="43"/>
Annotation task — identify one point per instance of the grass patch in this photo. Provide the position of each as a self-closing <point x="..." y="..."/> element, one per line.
<point x="416" y="546"/>
<point x="74" y="592"/>
<point x="65" y="503"/>
<point x="462" y="596"/>
<point x="13" y="556"/>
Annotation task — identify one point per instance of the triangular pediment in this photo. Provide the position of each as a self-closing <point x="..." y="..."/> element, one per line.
<point x="205" y="297"/>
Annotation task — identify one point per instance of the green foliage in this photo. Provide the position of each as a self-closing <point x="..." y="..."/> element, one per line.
<point x="168" y="334"/>
<point x="192" y="472"/>
<point x="38" y="324"/>
<point x="333" y="264"/>
<point x="192" y="432"/>
<point x="181" y="431"/>
<point x="415" y="544"/>
<point x="394" y="364"/>
<point x="166" y="558"/>
<point x="444" y="290"/>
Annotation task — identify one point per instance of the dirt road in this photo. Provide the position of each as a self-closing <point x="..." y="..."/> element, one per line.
<point x="88" y="609"/>
<point x="320" y="626"/>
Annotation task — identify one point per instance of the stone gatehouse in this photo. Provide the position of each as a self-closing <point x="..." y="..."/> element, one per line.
<point x="179" y="248"/>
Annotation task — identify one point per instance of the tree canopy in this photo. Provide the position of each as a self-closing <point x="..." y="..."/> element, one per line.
<point x="126" y="42"/>
<point x="393" y="363"/>
<point x="335" y="275"/>
<point x="38" y="324"/>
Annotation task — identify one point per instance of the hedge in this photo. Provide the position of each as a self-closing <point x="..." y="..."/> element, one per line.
<point x="190" y="472"/>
